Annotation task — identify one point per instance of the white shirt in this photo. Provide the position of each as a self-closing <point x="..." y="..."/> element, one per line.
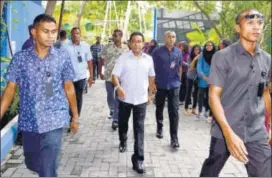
<point x="134" y="76"/>
<point x="83" y="50"/>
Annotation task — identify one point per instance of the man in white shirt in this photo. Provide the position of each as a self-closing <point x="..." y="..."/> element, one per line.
<point x="134" y="70"/>
<point x="81" y="57"/>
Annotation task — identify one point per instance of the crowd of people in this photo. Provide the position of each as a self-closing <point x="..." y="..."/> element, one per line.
<point x="231" y="83"/>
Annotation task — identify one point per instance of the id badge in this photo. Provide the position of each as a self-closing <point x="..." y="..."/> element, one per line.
<point x="79" y="58"/>
<point x="49" y="86"/>
<point x="260" y="89"/>
<point x="173" y="64"/>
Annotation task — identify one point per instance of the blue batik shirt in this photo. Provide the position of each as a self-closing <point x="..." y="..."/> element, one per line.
<point x="39" y="112"/>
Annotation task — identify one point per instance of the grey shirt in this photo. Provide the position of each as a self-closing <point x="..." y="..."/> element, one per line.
<point x="239" y="74"/>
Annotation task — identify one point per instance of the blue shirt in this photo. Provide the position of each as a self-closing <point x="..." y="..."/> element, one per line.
<point x="37" y="111"/>
<point x="96" y="51"/>
<point x="202" y="68"/>
<point x="167" y="64"/>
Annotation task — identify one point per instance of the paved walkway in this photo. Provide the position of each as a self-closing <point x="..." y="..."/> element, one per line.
<point x="93" y="151"/>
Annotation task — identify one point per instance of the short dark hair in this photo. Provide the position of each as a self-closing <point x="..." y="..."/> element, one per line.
<point x="239" y="15"/>
<point x="118" y="30"/>
<point x="136" y="34"/>
<point x="43" y="18"/>
<point x="226" y="42"/>
<point x="75" y="28"/>
<point x="63" y="33"/>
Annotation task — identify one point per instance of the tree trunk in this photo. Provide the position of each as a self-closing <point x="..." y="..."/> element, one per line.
<point x="80" y="12"/>
<point x="208" y="17"/>
<point x="2" y="7"/>
<point x="60" y="18"/>
<point x="50" y="7"/>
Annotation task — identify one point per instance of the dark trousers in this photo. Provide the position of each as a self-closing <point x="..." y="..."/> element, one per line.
<point x="183" y="87"/>
<point x="173" y="107"/>
<point x="79" y="87"/>
<point x="192" y="90"/>
<point x="95" y="69"/>
<point x="259" y="156"/>
<point x="139" y="112"/>
<point x="203" y="99"/>
<point x="41" y="151"/>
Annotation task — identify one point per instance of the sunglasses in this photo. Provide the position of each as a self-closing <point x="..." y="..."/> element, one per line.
<point x="252" y="16"/>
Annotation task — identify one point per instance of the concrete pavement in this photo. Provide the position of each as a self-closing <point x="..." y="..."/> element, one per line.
<point x="93" y="151"/>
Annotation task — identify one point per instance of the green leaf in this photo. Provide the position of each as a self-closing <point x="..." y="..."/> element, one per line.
<point x="213" y="36"/>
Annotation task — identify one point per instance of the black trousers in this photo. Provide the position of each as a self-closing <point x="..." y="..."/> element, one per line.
<point x="95" y="69"/>
<point x="203" y="99"/>
<point x="79" y="87"/>
<point x="173" y="107"/>
<point x="139" y="112"/>
<point x="183" y="87"/>
<point x="192" y="90"/>
<point x="259" y="156"/>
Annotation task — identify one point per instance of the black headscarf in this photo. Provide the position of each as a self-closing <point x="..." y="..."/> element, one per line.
<point x="208" y="54"/>
<point x="151" y="48"/>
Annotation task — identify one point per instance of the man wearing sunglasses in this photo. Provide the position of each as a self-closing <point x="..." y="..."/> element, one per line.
<point x="239" y="95"/>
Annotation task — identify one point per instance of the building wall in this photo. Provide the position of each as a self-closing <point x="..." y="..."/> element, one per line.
<point x="18" y="15"/>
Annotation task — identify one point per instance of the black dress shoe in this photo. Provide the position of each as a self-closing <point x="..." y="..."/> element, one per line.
<point x="159" y="133"/>
<point x="114" y="125"/>
<point x="123" y="147"/>
<point x="174" y="144"/>
<point x="137" y="166"/>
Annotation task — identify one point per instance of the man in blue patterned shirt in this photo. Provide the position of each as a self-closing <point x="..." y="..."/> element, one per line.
<point x="44" y="76"/>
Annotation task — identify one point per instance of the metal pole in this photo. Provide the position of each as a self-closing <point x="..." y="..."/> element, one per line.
<point x="155" y="24"/>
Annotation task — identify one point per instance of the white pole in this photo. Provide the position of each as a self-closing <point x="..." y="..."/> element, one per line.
<point x="109" y="31"/>
<point x="144" y="22"/>
<point x="126" y="20"/>
<point x="116" y="17"/>
<point x="105" y="22"/>
<point x="140" y="17"/>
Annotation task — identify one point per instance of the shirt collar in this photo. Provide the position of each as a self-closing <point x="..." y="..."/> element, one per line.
<point x="143" y="55"/>
<point x="241" y="49"/>
<point x="173" y="49"/>
<point x="52" y="51"/>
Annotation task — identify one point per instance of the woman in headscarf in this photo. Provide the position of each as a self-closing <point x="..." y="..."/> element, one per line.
<point x="203" y="71"/>
<point x="153" y="45"/>
<point x="192" y="80"/>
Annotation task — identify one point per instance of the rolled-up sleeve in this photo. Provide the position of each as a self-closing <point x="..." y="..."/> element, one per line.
<point x="218" y="71"/>
<point x="67" y="72"/>
<point x="118" y="67"/>
<point x="13" y="71"/>
<point x="88" y="54"/>
<point x="151" y="72"/>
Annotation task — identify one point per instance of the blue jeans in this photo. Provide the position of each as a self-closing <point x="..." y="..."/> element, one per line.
<point x="112" y="100"/>
<point x="41" y="151"/>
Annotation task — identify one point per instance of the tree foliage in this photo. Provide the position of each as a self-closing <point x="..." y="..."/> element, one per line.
<point x="94" y="13"/>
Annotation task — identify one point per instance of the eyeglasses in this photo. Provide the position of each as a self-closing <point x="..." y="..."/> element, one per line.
<point x="252" y="16"/>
